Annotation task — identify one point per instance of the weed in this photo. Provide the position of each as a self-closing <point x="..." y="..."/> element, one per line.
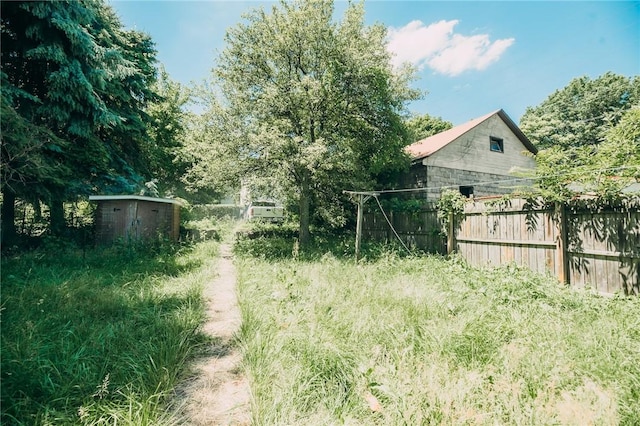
<point x="99" y="337"/>
<point x="407" y="340"/>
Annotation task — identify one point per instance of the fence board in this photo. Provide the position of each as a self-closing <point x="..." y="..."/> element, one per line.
<point x="420" y="230"/>
<point x="601" y="251"/>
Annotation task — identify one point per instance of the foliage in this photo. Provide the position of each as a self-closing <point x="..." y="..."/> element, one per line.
<point x="24" y="148"/>
<point x="99" y="337"/>
<point x="429" y="341"/>
<point x="423" y="126"/>
<point x="213" y="148"/>
<point x="581" y="113"/>
<point x="589" y="137"/>
<point x="618" y="156"/>
<point x="450" y="206"/>
<point x="204" y="222"/>
<point x="167" y="133"/>
<point x="401" y="205"/>
<point x="219" y="211"/>
<point x="76" y="82"/>
<point x="604" y="170"/>
<point x="279" y="241"/>
<point x="312" y="105"/>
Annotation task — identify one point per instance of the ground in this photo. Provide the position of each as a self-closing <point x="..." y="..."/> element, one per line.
<point x="218" y="394"/>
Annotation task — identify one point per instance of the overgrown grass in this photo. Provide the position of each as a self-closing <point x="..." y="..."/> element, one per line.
<point x="99" y="337"/>
<point x="408" y="341"/>
<point x="280" y="241"/>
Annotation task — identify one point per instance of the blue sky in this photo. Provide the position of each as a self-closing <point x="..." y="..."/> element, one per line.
<point x="474" y="57"/>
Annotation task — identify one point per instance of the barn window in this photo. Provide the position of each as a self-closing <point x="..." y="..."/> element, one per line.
<point x="467" y="191"/>
<point x="496" y="144"/>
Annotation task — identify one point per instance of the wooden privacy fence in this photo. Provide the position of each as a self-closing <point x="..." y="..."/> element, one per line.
<point x="581" y="245"/>
<point x="418" y="230"/>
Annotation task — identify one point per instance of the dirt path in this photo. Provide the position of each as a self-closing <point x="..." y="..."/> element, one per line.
<point x="219" y="393"/>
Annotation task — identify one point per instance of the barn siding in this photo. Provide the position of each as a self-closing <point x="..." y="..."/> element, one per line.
<point x="471" y="151"/>
<point x="468" y="161"/>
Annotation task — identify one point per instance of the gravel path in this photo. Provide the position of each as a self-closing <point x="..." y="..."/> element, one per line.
<point x="219" y="393"/>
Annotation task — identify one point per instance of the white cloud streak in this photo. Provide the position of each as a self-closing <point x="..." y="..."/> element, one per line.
<point x="438" y="47"/>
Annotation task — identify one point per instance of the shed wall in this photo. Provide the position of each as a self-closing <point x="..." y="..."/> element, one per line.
<point x="114" y="220"/>
<point x="136" y="220"/>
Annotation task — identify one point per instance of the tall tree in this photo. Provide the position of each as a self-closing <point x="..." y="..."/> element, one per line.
<point x="585" y="135"/>
<point x="167" y="133"/>
<point x="214" y="148"/>
<point x="618" y="156"/>
<point x="76" y="81"/>
<point x="423" y="126"/>
<point x="580" y="113"/>
<point x="322" y="106"/>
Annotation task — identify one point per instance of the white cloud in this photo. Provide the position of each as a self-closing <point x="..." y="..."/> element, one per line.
<point x="439" y="48"/>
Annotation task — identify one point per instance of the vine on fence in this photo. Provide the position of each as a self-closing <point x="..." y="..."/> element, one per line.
<point x="450" y="207"/>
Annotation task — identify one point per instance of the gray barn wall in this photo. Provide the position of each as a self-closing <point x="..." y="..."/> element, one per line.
<point x="468" y="161"/>
<point x="471" y="151"/>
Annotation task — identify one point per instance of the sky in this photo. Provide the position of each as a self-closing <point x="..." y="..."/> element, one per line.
<point x="473" y="57"/>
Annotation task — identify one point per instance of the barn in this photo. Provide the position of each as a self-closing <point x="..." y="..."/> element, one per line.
<point x="477" y="158"/>
<point x="135" y="217"/>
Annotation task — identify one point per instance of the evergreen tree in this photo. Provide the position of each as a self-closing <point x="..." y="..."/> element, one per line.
<point x="77" y="82"/>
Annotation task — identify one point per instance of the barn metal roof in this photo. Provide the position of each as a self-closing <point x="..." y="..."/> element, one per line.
<point x="425" y="147"/>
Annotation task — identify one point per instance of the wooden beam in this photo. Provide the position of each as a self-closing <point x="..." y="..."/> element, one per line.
<point x="562" y="260"/>
<point x="549" y="244"/>
<point x="361" y="198"/>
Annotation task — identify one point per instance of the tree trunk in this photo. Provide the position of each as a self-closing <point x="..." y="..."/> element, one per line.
<point x="8" y="217"/>
<point x="303" y="235"/>
<point x="305" y="195"/>
<point x="56" y="212"/>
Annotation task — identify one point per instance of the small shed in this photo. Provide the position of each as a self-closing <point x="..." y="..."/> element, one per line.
<point x="135" y="217"/>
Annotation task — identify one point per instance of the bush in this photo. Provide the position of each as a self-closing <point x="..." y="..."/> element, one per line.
<point x="273" y="241"/>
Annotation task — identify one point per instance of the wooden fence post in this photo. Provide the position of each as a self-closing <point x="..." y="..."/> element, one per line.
<point x="451" y="238"/>
<point x="359" y="226"/>
<point x="562" y="264"/>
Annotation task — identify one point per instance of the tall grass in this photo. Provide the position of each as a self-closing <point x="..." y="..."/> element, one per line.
<point x="99" y="337"/>
<point x="432" y="341"/>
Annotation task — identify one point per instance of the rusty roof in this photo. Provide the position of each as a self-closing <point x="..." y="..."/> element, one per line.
<point x="425" y="147"/>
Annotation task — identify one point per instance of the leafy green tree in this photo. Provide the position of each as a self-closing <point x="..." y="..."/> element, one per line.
<point x="618" y="156"/>
<point x="168" y="121"/>
<point x="580" y="113"/>
<point x="76" y="82"/>
<point x="585" y="136"/>
<point x="319" y="105"/>
<point x="423" y="126"/>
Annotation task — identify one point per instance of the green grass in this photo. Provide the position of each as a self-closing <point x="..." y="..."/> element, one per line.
<point x="407" y="341"/>
<point x="100" y="337"/>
